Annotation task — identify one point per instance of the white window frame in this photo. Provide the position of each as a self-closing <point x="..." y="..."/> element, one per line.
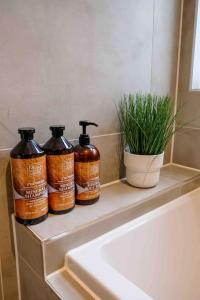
<point x="195" y="70"/>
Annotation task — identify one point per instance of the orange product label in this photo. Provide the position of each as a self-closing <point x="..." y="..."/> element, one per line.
<point x="30" y="187"/>
<point x="87" y="180"/>
<point x="60" y="170"/>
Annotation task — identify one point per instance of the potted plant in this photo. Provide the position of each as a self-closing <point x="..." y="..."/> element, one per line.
<point x="148" y="123"/>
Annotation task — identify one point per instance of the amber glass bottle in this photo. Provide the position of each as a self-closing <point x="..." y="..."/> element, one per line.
<point x="28" y="164"/>
<point x="87" y="165"/>
<point x="60" y="171"/>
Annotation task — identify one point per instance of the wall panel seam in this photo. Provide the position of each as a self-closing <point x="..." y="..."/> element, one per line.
<point x="75" y="139"/>
<point x="177" y="75"/>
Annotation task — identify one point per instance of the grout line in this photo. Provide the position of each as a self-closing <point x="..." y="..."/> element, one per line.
<point x="31" y="268"/>
<point x="75" y="139"/>
<point x="166" y="165"/>
<point x="195" y="90"/>
<point x="112" y="182"/>
<point x="190" y="127"/>
<point x="16" y="257"/>
<point x="44" y="259"/>
<point x="185" y="167"/>
<point x="177" y="77"/>
<point x="105" y="135"/>
<point x="5" y="149"/>
<point x="99" y="136"/>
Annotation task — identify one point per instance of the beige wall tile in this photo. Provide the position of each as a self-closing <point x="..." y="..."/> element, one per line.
<point x="71" y="60"/>
<point x="188" y="101"/>
<point x="187" y="141"/>
<point x="165" y="46"/>
<point x="186" y="148"/>
<point x="9" y="277"/>
<point x="165" y="51"/>
<point x="6" y="204"/>
<point x="111" y="150"/>
<point x="186" y="46"/>
<point x="30" y="249"/>
<point x="32" y="287"/>
<point x="6" y="246"/>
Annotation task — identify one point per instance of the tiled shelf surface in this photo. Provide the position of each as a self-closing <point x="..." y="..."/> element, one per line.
<point x="114" y="198"/>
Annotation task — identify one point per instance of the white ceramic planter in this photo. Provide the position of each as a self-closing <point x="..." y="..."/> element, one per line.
<point x="143" y="170"/>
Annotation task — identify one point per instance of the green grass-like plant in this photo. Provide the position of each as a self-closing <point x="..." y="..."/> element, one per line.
<point x="147" y="121"/>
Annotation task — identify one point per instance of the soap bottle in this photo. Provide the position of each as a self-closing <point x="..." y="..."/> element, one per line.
<point x="28" y="165"/>
<point x="86" y="168"/>
<point x="60" y="171"/>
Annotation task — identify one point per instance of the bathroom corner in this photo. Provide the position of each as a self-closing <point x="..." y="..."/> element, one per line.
<point x="66" y="61"/>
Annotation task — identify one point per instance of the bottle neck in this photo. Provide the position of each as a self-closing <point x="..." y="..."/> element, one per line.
<point x="26" y="137"/>
<point x="56" y="135"/>
<point x="84" y="139"/>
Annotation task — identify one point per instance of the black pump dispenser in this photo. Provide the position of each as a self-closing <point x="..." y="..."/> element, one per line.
<point x="26" y="133"/>
<point x="86" y="168"/>
<point x="84" y="138"/>
<point x="57" y="130"/>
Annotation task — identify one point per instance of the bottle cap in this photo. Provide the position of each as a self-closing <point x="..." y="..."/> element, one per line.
<point x="84" y="138"/>
<point x="57" y="130"/>
<point x="26" y="133"/>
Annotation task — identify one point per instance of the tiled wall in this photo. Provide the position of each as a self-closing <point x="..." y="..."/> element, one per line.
<point x="65" y="60"/>
<point x="7" y="267"/>
<point x="187" y="141"/>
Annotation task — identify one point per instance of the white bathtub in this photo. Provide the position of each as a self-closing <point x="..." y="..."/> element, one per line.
<point x="156" y="256"/>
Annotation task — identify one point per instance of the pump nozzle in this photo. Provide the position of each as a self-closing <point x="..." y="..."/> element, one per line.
<point x="85" y="124"/>
<point x="84" y="138"/>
